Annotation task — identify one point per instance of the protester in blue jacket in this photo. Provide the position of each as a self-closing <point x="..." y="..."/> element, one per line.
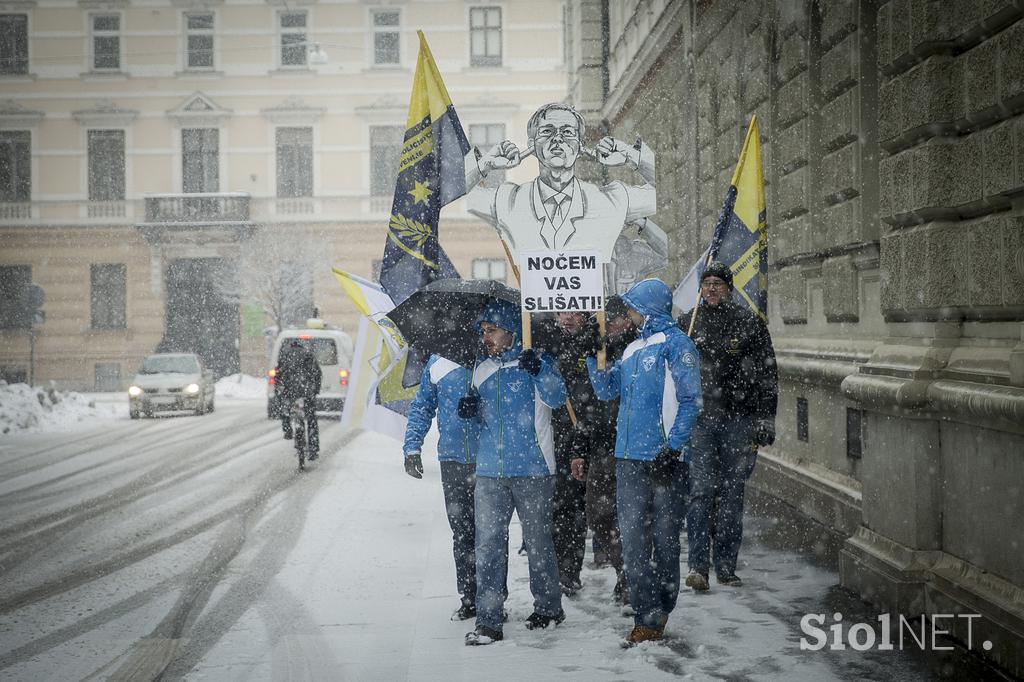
<point x="442" y="385"/>
<point x="657" y="381"/>
<point x="514" y="393"/>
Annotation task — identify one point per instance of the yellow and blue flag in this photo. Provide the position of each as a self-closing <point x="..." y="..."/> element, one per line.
<point x="431" y="174"/>
<point x="740" y="239"/>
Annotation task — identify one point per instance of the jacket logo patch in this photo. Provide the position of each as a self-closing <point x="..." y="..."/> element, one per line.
<point x="649" y="362"/>
<point x="734" y="346"/>
<point x="515" y="386"/>
<point x="689" y="360"/>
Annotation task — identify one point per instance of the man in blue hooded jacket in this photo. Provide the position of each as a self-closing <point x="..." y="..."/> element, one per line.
<point x="657" y="381"/>
<point x="442" y="385"/>
<point x="515" y="392"/>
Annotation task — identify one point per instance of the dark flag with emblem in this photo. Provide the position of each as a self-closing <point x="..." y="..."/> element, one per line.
<point x="431" y="173"/>
<point x="741" y="235"/>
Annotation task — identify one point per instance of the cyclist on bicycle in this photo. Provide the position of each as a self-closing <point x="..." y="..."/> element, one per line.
<point x="298" y="376"/>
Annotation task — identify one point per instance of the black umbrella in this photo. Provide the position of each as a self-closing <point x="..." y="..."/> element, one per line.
<point x="441" y="317"/>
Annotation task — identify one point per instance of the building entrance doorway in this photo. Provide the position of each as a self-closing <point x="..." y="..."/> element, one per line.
<point x="197" y="319"/>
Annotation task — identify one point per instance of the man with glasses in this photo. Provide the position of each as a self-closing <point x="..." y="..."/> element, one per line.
<point x="740" y="385"/>
<point x="557" y="210"/>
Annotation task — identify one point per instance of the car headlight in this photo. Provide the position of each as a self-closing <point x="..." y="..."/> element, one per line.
<point x="134" y="391"/>
<point x="192" y="388"/>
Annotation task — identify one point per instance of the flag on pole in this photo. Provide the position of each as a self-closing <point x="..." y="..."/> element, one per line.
<point x="741" y="234"/>
<point x="431" y="174"/>
<point x="379" y="361"/>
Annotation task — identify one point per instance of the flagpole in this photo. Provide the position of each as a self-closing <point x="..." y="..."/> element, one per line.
<point x="696" y="304"/>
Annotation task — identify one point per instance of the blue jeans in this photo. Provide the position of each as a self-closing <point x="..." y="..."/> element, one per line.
<point x="457" y="482"/>
<point x="723" y="457"/>
<point x="649" y="521"/>
<point x="496" y="498"/>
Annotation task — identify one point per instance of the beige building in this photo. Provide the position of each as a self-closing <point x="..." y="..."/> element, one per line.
<point x="150" y="149"/>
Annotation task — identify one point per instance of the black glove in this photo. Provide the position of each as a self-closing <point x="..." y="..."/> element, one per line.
<point x="529" y="361"/>
<point x="764" y="432"/>
<point x="414" y="465"/>
<point x="580" y="445"/>
<point x="469" y="406"/>
<point x="664" y="465"/>
<point x="595" y="342"/>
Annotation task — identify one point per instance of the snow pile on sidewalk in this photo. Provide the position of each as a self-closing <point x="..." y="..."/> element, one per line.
<point x="241" y="387"/>
<point x="27" y="408"/>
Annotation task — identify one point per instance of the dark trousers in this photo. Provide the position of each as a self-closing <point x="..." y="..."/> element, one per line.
<point x="458" y="482"/>
<point x="570" y="513"/>
<point x="309" y="414"/>
<point x="600" y="506"/>
<point x="723" y="457"/>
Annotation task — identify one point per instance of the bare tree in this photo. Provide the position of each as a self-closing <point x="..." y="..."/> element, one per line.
<point x="274" y="272"/>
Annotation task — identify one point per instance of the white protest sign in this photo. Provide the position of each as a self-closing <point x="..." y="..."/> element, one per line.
<point x="561" y="281"/>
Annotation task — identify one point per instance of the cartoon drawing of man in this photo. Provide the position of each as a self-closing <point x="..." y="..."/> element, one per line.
<point x="557" y="210"/>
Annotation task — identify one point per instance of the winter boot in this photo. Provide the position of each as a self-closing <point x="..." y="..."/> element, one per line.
<point x="698" y="580"/>
<point x="728" y="578"/>
<point x="483" y="636"/>
<point x="538" y="621"/>
<point x="465" y="612"/>
<point x="570" y="586"/>
<point x="620" y="595"/>
<point x="641" y="633"/>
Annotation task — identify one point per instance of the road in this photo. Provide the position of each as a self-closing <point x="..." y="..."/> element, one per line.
<point x="112" y="540"/>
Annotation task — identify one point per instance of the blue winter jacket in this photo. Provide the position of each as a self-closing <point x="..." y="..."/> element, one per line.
<point x="657" y="380"/>
<point x="515" y="408"/>
<point x="442" y="385"/>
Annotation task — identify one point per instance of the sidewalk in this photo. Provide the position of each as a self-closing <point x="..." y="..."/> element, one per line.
<point x="367" y="590"/>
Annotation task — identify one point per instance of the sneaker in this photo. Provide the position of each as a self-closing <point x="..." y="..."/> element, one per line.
<point x="698" y="580"/>
<point x="729" y="579"/>
<point x="641" y="633"/>
<point x="538" y="621"/>
<point x="287" y="435"/>
<point x="465" y="612"/>
<point x="483" y="636"/>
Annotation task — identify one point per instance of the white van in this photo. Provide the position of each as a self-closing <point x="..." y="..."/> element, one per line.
<point x="333" y="350"/>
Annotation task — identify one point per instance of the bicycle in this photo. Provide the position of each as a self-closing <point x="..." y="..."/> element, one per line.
<point x="297" y="414"/>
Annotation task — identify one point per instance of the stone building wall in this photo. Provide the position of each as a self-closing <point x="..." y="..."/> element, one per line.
<point x="893" y="147"/>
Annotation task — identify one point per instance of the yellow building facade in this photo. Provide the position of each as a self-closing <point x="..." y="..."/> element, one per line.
<point x="148" y="148"/>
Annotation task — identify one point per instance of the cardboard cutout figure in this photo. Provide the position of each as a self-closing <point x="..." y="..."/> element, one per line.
<point x="558" y="211"/>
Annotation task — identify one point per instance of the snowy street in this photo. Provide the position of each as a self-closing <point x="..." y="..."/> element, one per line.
<point x="192" y="545"/>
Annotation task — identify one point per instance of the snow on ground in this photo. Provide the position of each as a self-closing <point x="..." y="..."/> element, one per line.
<point x="33" y="409"/>
<point x="368" y="589"/>
<point x="241" y="387"/>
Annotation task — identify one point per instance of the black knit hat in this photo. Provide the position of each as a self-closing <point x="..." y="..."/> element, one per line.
<point x="720" y="270"/>
<point x="614" y="307"/>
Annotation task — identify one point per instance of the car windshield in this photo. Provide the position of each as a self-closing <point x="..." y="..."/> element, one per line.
<point x="170" y="364"/>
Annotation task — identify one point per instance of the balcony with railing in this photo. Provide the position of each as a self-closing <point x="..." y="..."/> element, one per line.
<point x="205" y="207"/>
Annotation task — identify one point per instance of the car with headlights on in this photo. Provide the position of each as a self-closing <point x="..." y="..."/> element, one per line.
<point x="169" y="382"/>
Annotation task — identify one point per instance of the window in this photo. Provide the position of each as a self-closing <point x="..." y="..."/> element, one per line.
<point x="199" y="40"/>
<point x="386" y="37"/>
<point x="293" y="38"/>
<point x="14" y="283"/>
<point x="483" y="137"/>
<point x="13" y="44"/>
<point x="106" y="165"/>
<point x="854" y="433"/>
<point x="385" y="149"/>
<point x="199" y="160"/>
<point x="489" y="268"/>
<point x="802" y="420"/>
<point x="485" y="36"/>
<point x="108" y="376"/>
<point x="294" y="162"/>
<point x="106" y="42"/>
<point x="15" y="165"/>
<point x="109" y="283"/>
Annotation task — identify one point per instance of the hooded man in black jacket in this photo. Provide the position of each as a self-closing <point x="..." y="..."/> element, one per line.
<point x="740" y="384"/>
